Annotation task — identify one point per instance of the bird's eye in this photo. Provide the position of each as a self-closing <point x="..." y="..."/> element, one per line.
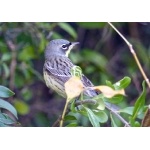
<point x="64" y="46"/>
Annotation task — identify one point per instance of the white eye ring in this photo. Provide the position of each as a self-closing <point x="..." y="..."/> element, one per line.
<point x="64" y="46"/>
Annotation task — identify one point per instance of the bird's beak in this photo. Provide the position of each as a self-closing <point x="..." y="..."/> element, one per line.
<point x="74" y="44"/>
<point x="70" y="47"/>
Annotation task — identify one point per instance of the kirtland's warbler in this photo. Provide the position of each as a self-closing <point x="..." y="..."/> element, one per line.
<point x="57" y="67"/>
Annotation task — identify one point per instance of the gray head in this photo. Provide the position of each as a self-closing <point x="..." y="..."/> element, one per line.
<point x="59" y="47"/>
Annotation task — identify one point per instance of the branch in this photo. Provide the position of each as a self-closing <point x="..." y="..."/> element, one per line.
<point x="133" y="53"/>
<point x="114" y="110"/>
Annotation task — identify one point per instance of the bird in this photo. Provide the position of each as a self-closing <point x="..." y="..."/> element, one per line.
<point x="57" y="67"/>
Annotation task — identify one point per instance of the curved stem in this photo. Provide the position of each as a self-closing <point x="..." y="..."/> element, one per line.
<point x="133" y="53"/>
<point x="63" y="114"/>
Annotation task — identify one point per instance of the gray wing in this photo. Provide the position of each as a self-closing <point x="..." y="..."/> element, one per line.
<point x="59" y="68"/>
<point x="88" y="83"/>
<point x="61" y="71"/>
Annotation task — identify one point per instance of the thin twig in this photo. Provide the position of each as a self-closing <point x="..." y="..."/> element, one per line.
<point x="87" y="101"/>
<point x="118" y="116"/>
<point x="63" y="114"/>
<point x="133" y="53"/>
<point x="57" y="122"/>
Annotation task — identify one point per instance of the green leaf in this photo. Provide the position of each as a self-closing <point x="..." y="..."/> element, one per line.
<point x="115" y="99"/>
<point x="4" y="118"/>
<point x="101" y="116"/>
<point x="127" y="110"/>
<point x="108" y="83"/>
<point x="92" y="25"/>
<point x="137" y="124"/>
<point x="5" y="92"/>
<point x="72" y="106"/>
<point x="99" y="99"/>
<point x="69" y="117"/>
<point x="113" y="124"/>
<point x="139" y="104"/>
<point x="73" y="124"/>
<point x="83" y="112"/>
<point x="92" y="117"/>
<point x="21" y="107"/>
<point x="68" y="28"/>
<point x="9" y="107"/>
<point x="101" y="105"/>
<point x="122" y="84"/>
<point x="3" y="125"/>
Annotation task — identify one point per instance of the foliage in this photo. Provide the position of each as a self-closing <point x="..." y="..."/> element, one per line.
<point x="103" y="57"/>
<point x="5" y="119"/>
<point x="97" y="114"/>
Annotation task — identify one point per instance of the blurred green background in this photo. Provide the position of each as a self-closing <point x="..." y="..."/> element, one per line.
<point x="102" y="55"/>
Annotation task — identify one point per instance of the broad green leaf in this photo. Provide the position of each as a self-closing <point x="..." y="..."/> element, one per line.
<point x="4" y="118"/>
<point x="99" y="99"/>
<point x="139" y="104"/>
<point x="68" y="28"/>
<point x="137" y="124"/>
<point x="113" y="124"/>
<point x="108" y="83"/>
<point x="5" y="92"/>
<point x="127" y="110"/>
<point x="92" y="25"/>
<point x="3" y="125"/>
<point x="101" y="105"/>
<point x="122" y="84"/>
<point x="72" y="106"/>
<point x="22" y="107"/>
<point x="116" y="99"/>
<point x="92" y="117"/>
<point x="83" y="112"/>
<point x="101" y="116"/>
<point x="69" y="117"/>
<point x="73" y="124"/>
<point x="9" y="107"/>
